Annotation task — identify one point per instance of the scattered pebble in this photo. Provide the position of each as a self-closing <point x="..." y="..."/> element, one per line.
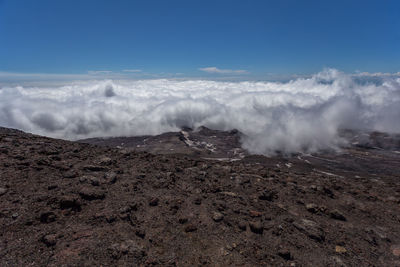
<point x="340" y="249"/>
<point x="217" y="216"/>
<point x="49" y="240"/>
<point x="285" y="254"/>
<point x="335" y="214"/>
<point x="2" y="191"/>
<point x="311" y="207"/>
<point x="256" y="227"/>
<point x="254" y="213"/>
<point x="242" y="225"/>
<point x="154" y="202"/>
<point x="91" y="194"/>
<point x="190" y="228"/>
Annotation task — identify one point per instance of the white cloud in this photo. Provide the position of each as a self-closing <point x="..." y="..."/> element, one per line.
<point x="132" y="70"/>
<point x="301" y="115"/>
<point x="99" y="72"/>
<point x="376" y="74"/>
<point x="222" y="71"/>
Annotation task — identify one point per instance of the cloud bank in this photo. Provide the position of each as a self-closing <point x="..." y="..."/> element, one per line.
<point x="222" y="71"/>
<point x="303" y="115"/>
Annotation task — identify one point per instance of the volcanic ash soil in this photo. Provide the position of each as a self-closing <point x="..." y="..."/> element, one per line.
<point x="72" y="204"/>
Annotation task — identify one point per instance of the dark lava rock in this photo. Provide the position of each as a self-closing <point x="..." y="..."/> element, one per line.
<point x="254" y="213"/>
<point x="311" y="207"/>
<point x="95" y="168"/>
<point x="140" y="233"/>
<point x="70" y="202"/>
<point x="154" y="201"/>
<point x="217" y="216"/>
<point x="2" y="191"/>
<point x="335" y="214"/>
<point x="70" y="174"/>
<point x="129" y="247"/>
<point x="242" y="225"/>
<point x="197" y="201"/>
<point x="105" y="161"/>
<point x="91" y="194"/>
<point x="310" y="229"/>
<point x="51" y="187"/>
<point x="111" y="177"/>
<point x="190" y="228"/>
<point x="268" y="195"/>
<point x="94" y="181"/>
<point x="49" y="240"/>
<point x="256" y="227"/>
<point x="47" y="217"/>
<point x="328" y="192"/>
<point x="183" y="220"/>
<point x="285" y="254"/>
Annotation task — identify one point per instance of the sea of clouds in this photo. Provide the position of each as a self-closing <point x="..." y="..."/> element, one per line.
<point x="302" y="115"/>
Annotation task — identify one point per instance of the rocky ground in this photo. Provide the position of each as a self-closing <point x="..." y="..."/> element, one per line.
<point x="73" y="204"/>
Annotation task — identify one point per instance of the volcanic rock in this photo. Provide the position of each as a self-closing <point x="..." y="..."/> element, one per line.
<point x="91" y="193"/>
<point x="2" y="191"/>
<point x="49" y="240"/>
<point x="256" y="227"/>
<point x="190" y="228"/>
<point x="217" y="216"/>
<point x="335" y="214"/>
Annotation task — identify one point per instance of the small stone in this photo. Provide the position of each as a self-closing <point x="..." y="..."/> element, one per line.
<point x="154" y="202"/>
<point x="95" y="168"/>
<point x="242" y="225"/>
<point x="338" y="261"/>
<point x="127" y="247"/>
<point x="2" y="191"/>
<point x="51" y="187"/>
<point x="254" y="213"/>
<point x="125" y="209"/>
<point x="217" y="216"/>
<point x="111" y="177"/>
<point x="105" y="161"/>
<point x="70" y="202"/>
<point x="256" y="227"/>
<point x="197" y="201"/>
<point x="340" y="249"/>
<point x="110" y="218"/>
<point x="94" y="181"/>
<point x="91" y="194"/>
<point x="125" y="216"/>
<point x="285" y="254"/>
<point x="140" y="233"/>
<point x="47" y="217"/>
<point x="328" y="192"/>
<point x="190" y="228"/>
<point x="268" y="195"/>
<point x="313" y="187"/>
<point x="15" y="215"/>
<point x="183" y="220"/>
<point x="70" y="174"/>
<point x="335" y="214"/>
<point x="310" y="229"/>
<point x="49" y="240"/>
<point x="396" y="250"/>
<point x="311" y="207"/>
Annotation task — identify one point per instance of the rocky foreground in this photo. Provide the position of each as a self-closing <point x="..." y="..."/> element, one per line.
<point x="73" y="204"/>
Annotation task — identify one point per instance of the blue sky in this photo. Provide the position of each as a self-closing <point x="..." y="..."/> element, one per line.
<point x="195" y="38"/>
